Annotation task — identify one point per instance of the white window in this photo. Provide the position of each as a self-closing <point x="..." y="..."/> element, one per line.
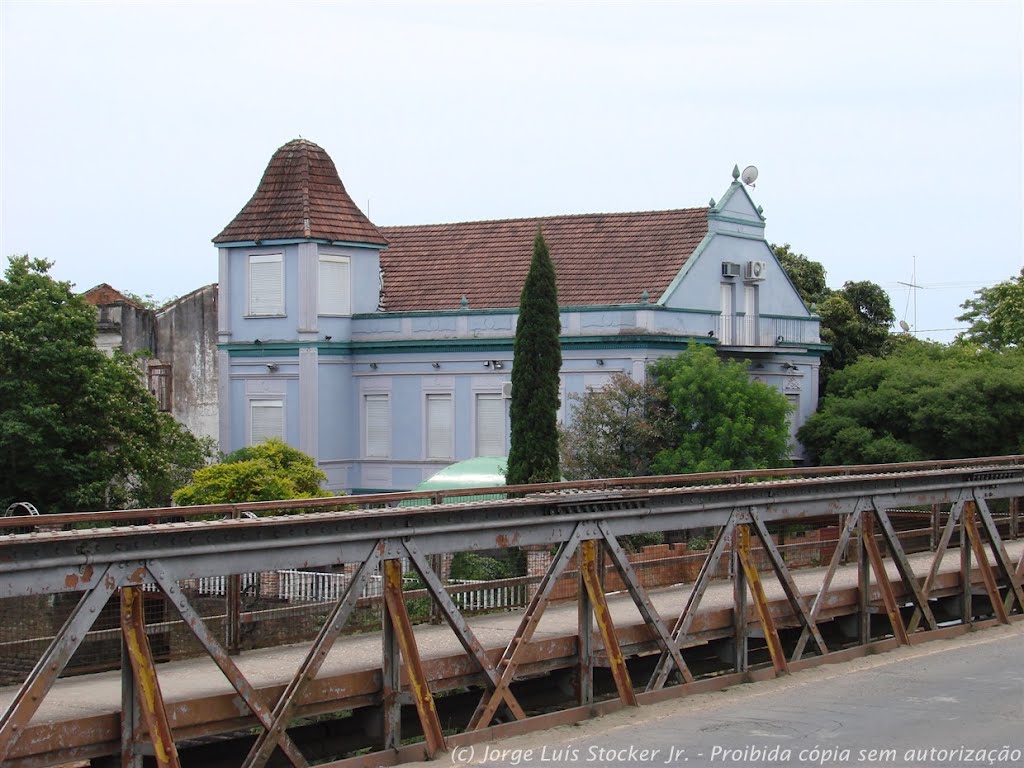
<point x="490" y="424"/>
<point x="378" y="425"/>
<point x="266" y="284"/>
<point x="440" y="423"/>
<point x="335" y="290"/>
<point x="266" y="420"/>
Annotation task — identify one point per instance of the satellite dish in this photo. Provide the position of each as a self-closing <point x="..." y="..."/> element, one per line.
<point x="905" y="326"/>
<point x="749" y="175"/>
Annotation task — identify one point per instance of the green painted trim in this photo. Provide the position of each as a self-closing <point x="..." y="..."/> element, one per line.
<point x="807" y="318"/>
<point x="341" y="349"/>
<point x="729" y="194"/>
<point x="742" y="236"/>
<point x="734" y="220"/>
<point x="298" y="241"/>
<point x="701" y="247"/>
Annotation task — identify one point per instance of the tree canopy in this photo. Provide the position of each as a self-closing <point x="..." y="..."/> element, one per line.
<point x="696" y="413"/>
<point x="270" y="471"/>
<point x="922" y="401"/>
<point x="533" y="453"/>
<point x="996" y="315"/>
<point x="616" y="431"/>
<point x="78" y="430"/>
<point x="855" y="319"/>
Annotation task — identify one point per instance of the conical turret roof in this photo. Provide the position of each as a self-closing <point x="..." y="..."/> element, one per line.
<point x="301" y="196"/>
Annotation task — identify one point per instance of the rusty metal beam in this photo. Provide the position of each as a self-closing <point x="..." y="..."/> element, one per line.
<point x="222" y="659"/>
<point x="592" y="582"/>
<point x="987" y="577"/>
<point x="528" y="624"/>
<point x="150" y="699"/>
<point x="643" y="602"/>
<point x="852" y="521"/>
<point x="903" y="566"/>
<point x="882" y="579"/>
<point x="753" y="579"/>
<point x="268" y="740"/>
<point x="788" y="585"/>
<point x="1002" y="559"/>
<point x="423" y="699"/>
<point x="940" y="551"/>
<point x="689" y="612"/>
<point x="131" y="713"/>
<point x="56" y="657"/>
<point x="467" y="638"/>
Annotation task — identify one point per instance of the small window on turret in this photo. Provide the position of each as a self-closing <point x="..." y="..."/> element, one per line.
<point x="266" y="284"/>
<point x="335" y="285"/>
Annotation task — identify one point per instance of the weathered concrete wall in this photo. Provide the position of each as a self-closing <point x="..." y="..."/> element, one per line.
<point x="186" y="337"/>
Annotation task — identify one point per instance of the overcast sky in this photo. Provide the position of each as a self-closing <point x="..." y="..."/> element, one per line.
<point x="132" y="133"/>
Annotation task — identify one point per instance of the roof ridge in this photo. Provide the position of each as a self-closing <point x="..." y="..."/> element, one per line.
<point x="306" y="230"/>
<point x="548" y="217"/>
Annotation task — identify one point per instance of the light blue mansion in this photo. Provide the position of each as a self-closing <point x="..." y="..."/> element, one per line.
<point x="386" y="352"/>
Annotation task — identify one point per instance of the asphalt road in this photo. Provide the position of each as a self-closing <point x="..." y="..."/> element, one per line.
<point x="953" y="702"/>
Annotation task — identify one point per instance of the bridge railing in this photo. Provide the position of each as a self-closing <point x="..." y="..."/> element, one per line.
<point x="573" y="541"/>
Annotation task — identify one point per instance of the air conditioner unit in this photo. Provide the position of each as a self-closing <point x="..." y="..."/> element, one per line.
<point x="756" y="270"/>
<point x="506" y="390"/>
<point x="730" y="269"/>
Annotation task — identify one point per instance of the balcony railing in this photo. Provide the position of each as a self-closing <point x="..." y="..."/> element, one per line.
<point x="753" y="331"/>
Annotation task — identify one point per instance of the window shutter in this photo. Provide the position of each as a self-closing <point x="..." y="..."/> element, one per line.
<point x="439" y="427"/>
<point x="334" y="286"/>
<point x="266" y="285"/>
<point x="490" y="425"/>
<point x="378" y="425"/>
<point x="267" y="420"/>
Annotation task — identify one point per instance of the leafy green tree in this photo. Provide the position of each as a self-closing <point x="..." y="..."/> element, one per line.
<point x="616" y="431"/>
<point x="78" y="430"/>
<point x="270" y="471"/>
<point x="923" y="401"/>
<point x="855" y="319"/>
<point x="808" y="276"/>
<point x="533" y="455"/>
<point x="996" y="315"/>
<point x="720" y="419"/>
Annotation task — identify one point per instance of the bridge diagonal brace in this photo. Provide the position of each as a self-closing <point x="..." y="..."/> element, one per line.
<point x="788" y="585"/>
<point x="852" y="521"/>
<point x="490" y="702"/>
<point x="394" y="602"/>
<point x="63" y="646"/>
<point x="150" y="698"/>
<point x="266" y="742"/>
<point x="588" y="568"/>
<point x="1001" y="557"/>
<point x="764" y="614"/>
<point x="458" y="623"/>
<point x="989" y="578"/>
<point x="689" y="612"/>
<point x="882" y="577"/>
<point x="955" y="513"/>
<point x="899" y="556"/>
<point x="223" y="660"/>
<point x="643" y="601"/>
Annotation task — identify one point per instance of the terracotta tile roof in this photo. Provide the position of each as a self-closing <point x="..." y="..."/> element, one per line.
<point x="103" y="294"/>
<point x="600" y="258"/>
<point x="301" y="196"/>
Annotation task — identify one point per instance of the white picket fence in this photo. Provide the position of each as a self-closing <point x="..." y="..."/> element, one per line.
<point x="325" y="587"/>
<point x="476" y="599"/>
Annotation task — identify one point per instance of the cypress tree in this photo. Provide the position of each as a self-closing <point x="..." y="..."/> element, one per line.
<point x="537" y="359"/>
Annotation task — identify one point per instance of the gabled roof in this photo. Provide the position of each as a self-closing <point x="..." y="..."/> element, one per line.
<point x="301" y="197"/>
<point x="600" y="258"/>
<point x="103" y="294"/>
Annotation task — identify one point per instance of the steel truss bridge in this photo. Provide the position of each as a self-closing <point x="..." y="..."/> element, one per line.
<point x="583" y="524"/>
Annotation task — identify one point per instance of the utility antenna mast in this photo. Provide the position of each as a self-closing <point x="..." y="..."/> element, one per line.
<point x="913" y="286"/>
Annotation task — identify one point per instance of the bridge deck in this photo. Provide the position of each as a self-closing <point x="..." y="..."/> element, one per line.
<point x="88" y="696"/>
